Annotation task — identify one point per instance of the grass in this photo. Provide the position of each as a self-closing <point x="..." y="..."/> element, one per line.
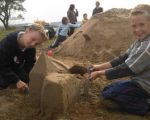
<point x="3" y="33"/>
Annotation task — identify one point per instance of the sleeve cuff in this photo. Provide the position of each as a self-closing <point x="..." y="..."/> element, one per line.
<point x="119" y="71"/>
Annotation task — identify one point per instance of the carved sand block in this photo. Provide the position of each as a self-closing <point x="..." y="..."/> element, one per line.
<point x="52" y="89"/>
<point x="59" y="92"/>
<point x="41" y="69"/>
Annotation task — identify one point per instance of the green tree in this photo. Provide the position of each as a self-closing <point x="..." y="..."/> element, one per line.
<point x="7" y="8"/>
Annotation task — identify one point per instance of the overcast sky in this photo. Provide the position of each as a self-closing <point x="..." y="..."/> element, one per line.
<point x="54" y="10"/>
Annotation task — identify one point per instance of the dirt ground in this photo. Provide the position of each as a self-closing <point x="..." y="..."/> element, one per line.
<point x="17" y="106"/>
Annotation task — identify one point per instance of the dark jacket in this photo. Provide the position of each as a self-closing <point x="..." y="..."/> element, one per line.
<point x="13" y="60"/>
<point x="72" y="15"/>
<point x="97" y="10"/>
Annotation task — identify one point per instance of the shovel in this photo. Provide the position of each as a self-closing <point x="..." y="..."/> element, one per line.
<point x="78" y="69"/>
<point x="75" y="69"/>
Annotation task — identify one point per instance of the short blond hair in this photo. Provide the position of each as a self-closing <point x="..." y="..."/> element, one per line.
<point x="141" y="9"/>
<point x="40" y="29"/>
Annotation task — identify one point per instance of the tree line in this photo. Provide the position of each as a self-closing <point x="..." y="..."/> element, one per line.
<point x="8" y="8"/>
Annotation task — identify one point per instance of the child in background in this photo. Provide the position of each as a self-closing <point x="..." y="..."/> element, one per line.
<point x="62" y="32"/>
<point x="18" y="55"/>
<point x="131" y="95"/>
<point x="85" y="18"/>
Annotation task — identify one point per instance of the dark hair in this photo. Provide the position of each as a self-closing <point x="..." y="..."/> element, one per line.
<point x="84" y="14"/>
<point x="97" y="2"/>
<point x="72" y="6"/>
<point x="64" y="19"/>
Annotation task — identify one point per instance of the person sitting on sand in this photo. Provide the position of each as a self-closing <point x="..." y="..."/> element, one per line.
<point x="131" y="95"/>
<point x="62" y="32"/>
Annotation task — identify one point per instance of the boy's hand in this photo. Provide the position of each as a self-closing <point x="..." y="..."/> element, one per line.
<point x="96" y="74"/>
<point x="22" y="86"/>
<point x="95" y="67"/>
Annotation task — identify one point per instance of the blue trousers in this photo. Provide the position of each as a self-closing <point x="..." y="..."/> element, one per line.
<point x="58" y="41"/>
<point x="128" y="95"/>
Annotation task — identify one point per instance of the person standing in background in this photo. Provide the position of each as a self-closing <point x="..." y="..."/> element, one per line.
<point x="97" y="9"/>
<point x="72" y="14"/>
<point x="85" y="18"/>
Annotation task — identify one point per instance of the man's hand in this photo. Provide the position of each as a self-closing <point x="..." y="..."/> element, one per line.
<point x="22" y="85"/>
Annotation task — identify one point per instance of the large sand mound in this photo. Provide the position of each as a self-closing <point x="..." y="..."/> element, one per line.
<point x="103" y="37"/>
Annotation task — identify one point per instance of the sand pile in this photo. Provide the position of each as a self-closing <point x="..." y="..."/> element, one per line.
<point x="103" y="37"/>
